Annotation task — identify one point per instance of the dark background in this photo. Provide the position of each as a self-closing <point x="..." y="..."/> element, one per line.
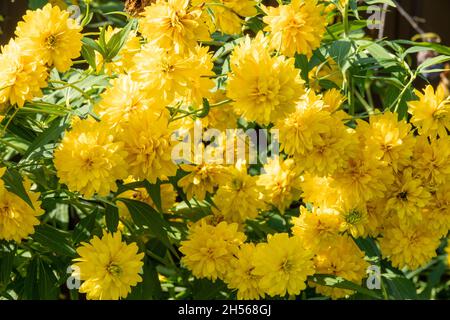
<point x="432" y="16"/>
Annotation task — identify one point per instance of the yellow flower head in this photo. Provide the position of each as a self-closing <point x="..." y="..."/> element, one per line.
<point x="17" y="217"/>
<point x="409" y="246"/>
<point x="431" y="113"/>
<point x="319" y="191"/>
<point x="174" y="25"/>
<point x="241" y="277"/>
<point x="240" y="188"/>
<point x="343" y="259"/>
<point x="302" y="130"/>
<point x="89" y="160"/>
<point x="281" y="183"/>
<point x="202" y="179"/>
<point x="264" y="88"/>
<point x="317" y="228"/>
<point x="431" y="160"/>
<point x="209" y="250"/>
<point x="123" y="62"/>
<point x="333" y="100"/>
<point x="297" y="27"/>
<point x="108" y="267"/>
<point x="406" y="197"/>
<point x="171" y="76"/>
<point x="124" y="98"/>
<point x="226" y="14"/>
<point x="363" y="177"/>
<point x="283" y="263"/>
<point x="21" y="75"/>
<point x="437" y="213"/>
<point x="52" y="35"/>
<point x="146" y="139"/>
<point x="355" y="218"/>
<point x="391" y="139"/>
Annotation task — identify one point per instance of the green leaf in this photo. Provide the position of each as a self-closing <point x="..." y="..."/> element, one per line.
<point x="431" y="62"/>
<point x="144" y="215"/>
<point x="83" y="230"/>
<point x="14" y="183"/>
<point x="6" y="266"/>
<point x="338" y="282"/>
<point x="53" y="133"/>
<point x="112" y="217"/>
<point x="117" y="41"/>
<point x="398" y="286"/>
<point x="53" y="239"/>
<point x="89" y="55"/>
<point x="150" y="287"/>
<point x="93" y="45"/>
<point x="154" y="190"/>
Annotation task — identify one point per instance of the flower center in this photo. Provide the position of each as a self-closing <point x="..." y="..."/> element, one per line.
<point x="403" y="195"/>
<point x="51" y="41"/>
<point x="114" y="270"/>
<point x="353" y="217"/>
<point x="286" y="266"/>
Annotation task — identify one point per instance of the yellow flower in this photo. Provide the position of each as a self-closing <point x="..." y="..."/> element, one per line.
<point x="209" y="250"/>
<point x="168" y="197"/>
<point x="124" y="98"/>
<point x="391" y="139"/>
<point x="171" y="76"/>
<point x="354" y="217"/>
<point x="326" y="71"/>
<point x="227" y="13"/>
<point x="202" y="179"/>
<point x="333" y="100"/>
<point x="317" y="228"/>
<point x="302" y="130"/>
<point x="283" y="263"/>
<point x="410" y="247"/>
<point x="240" y="277"/>
<point x="146" y="139"/>
<point x="437" y="213"/>
<point x="240" y="198"/>
<point x="21" y="75"/>
<point x="297" y="27"/>
<point x="319" y="191"/>
<point x="431" y="160"/>
<point x="431" y="113"/>
<point x="281" y="183"/>
<point x="364" y="177"/>
<point x="89" y="160"/>
<point x="173" y="24"/>
<point x="17" y="217"/>
<point x="123" y="62"/>
<point x="52" y="35"/>
<point x="406" y="197"/>
<point x="264" y="88"/>
<point x="343" y="259"/>
<point x="319" y="139"/>
<point x="108" y="267"/>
